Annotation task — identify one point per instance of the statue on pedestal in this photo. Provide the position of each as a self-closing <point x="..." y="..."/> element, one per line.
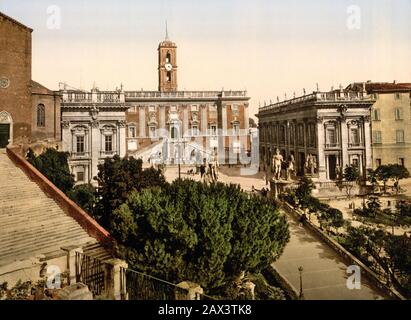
<point x="290" y="167"/>
<point x="276" y="162"/>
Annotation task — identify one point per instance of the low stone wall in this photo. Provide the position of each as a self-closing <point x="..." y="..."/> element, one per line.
<point x="275" y="278"/>
<point x="371" y="275"/>
<point x="68" y="206"/>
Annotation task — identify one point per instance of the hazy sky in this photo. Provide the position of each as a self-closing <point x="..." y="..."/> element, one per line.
<point x="268" y="47"/>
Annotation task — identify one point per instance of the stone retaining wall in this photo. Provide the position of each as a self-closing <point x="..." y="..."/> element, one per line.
<point x="371" y="275"/>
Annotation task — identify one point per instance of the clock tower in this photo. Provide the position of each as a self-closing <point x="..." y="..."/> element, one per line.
<point x="167" y="66"/>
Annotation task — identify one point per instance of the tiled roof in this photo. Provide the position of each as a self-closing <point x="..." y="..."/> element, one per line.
<point x="39" y="88"/>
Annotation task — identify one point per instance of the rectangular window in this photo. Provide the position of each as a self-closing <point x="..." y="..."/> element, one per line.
<point x="331" y="138"/>
<point x="108" y="143"/>
<point x="377" y="137"/>
<point x="194" y="130"/>
<point x="152" y="132"/>
<point x="400" y="136"/>
<point x="376" y="115"/>
<point x="236" y="128"/>
<point x="80" y="176"/>
<point x="213" y="129"/>
<point x="398" y="114"/>
<point x="378" y="162"/>
<point x="401" y="162"/>
<point x="132" y="132"/>
<point x="80" y="144"/>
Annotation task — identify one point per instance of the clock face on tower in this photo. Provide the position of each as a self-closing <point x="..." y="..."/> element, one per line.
<point x="168" y="66"/>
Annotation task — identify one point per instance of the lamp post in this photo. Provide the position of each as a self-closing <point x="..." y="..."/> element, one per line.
<point x="300" y="270"/>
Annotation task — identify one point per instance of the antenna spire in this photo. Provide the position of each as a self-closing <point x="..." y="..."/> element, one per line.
<point x="167" y="31"/>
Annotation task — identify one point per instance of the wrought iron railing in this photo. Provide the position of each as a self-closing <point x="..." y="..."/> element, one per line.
<point x="136" y="285"/>
<point x="91" y="271"/>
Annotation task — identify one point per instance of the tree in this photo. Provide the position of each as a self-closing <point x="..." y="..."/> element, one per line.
<point x="351" y="174"/>
<point x="372" y="178"/>
<point x="403" y="208"/>
<point x="383" y="173"/>
<point x="205" y="233"/>
<point x="398" y="172"/>
<point x="54" y="165"/>
<point x="85" y="196"/>
<point x="398" y="250"/>
<point x="117" y="178"/>
<point x="373" y="206"/>
<point x="303" y="191"/>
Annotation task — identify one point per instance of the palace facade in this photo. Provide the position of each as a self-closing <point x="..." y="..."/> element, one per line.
<point x="167" y="126"/>
<point x="323" y="132"/>
<point x="390" y="122"/>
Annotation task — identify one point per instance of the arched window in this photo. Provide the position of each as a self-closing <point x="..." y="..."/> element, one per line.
<point x="41" y="116"/>
<point x="168" y="57"/>
<point x="169" y="76"/>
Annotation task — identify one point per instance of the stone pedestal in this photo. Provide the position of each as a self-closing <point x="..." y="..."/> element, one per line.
<point x="193" y="291"/>
<point x="71" y="262"/>
<point x="113" y="278"/>
<point x="77" y="291"/>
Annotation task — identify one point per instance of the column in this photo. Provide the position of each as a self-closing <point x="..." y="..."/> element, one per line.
<point x="114" y="279"/>
<point x="224" y="119"/>
<point x="95" y="148"/>
<point x="185" y="121"/>
<point x="320" y="146"/>
<point x="142" y="121"/>
<point x="246" y="117"/>
<point x="367" y="141"/>
<point x="204" y="119"/>
<point x="344" y="143"/>
<point x="122" y="138"/>
<point x="162" y="119"/>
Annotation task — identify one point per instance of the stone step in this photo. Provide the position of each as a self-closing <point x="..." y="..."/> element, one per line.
<point x="37" y="234"/>
<point x="28" y="224"/>
<point x="21" y="206"/>
<point x="5" y="259"/>
<point x="52" y="240"/>
<point x="29" y="220"/>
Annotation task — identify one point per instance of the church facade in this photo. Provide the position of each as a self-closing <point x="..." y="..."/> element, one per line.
<point x="29" y="112"/>
<point x="167" y="125"/>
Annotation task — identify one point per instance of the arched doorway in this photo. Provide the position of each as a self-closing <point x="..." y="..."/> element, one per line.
<point x="6" y="129"/>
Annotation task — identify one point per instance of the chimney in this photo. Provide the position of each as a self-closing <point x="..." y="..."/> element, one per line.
<point x="395" y="82"/>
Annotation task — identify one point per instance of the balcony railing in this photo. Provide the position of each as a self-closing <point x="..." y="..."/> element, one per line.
<point x="356" y="145"/>
<point x="105" y="154"/>
<point x="332" y="145"/>
<point x="80" y="155"/>
<point x="320" y="96"/>
<point x="185" y="94"/>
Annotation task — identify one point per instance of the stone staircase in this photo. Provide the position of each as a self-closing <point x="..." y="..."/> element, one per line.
<point x="31" y="223"/>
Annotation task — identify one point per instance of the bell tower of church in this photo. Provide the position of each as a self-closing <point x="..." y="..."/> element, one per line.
<point x="167" y="65"/>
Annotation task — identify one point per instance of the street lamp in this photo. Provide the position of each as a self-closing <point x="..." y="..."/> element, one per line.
<point x="300" y="270"/>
